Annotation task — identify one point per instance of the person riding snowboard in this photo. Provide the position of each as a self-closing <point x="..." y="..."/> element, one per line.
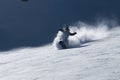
<point x="64" y="36"/>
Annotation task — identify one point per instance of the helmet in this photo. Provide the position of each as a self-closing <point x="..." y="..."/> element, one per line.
<point x="66" y="28"/>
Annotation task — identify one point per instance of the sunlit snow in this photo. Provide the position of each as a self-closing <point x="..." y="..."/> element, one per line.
<point x="94" y="60"/>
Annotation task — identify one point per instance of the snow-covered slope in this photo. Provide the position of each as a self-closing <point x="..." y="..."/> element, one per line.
<point x="97" y="60"/>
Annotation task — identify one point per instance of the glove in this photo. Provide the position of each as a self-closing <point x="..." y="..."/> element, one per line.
<point x="75" y="33"/>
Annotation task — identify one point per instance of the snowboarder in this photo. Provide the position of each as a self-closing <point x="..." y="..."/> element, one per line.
<point x="64" y="37"/>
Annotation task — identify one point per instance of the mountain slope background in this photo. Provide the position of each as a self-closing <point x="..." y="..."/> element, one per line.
<point x="22" y="24"/>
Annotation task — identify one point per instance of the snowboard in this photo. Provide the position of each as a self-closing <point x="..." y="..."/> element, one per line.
<point x="62" y="45"/>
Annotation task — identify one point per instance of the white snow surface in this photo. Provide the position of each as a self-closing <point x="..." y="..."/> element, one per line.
<point x="97" y="60"/>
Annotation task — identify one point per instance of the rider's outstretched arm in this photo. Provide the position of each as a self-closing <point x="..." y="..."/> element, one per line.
<point x="72" y="33"/>
<point x="61" y="30"/>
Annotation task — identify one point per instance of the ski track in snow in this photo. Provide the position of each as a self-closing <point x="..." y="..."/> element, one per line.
<point x="100" y="60"/>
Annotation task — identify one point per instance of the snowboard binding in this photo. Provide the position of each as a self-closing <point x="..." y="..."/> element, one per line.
<point x="62" y="44"/>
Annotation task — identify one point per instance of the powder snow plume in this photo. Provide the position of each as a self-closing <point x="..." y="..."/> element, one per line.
<point x="85" y="33"/>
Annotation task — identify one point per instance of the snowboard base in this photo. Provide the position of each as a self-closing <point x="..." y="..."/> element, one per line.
<point x="62" y="44"/>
